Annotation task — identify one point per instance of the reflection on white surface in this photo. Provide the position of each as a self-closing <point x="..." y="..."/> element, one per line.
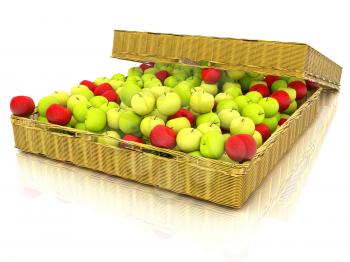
<point x="172" y="215"/>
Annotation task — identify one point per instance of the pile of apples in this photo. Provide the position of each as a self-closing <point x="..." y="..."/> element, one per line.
<point x="206" y="112"/>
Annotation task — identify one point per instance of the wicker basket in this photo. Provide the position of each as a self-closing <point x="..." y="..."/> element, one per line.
<point x="213" y="180"/>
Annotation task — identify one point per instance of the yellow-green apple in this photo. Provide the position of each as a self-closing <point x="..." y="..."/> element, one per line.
<point x="152" y="82"/>
<point x="188" y="139"/>
<point x="116" y="84"/>
<point x="80" y="126"/>
<point x="128" y="91"/>
<point x="135" y="79"/>
<point x="80" y="110"/>
<point x="226" y="116"/>
<point x="235" y="74"/>
<point x="212" y="145"/>
<point x="101" y="80"/>
<point x="109" y="138"/>
<point x="207" y="127"/>
<point x="97" y="101"/>
<point x="210" y="88"/>
<point x="168" y="103"/>
<point x="271" y="122"/>
<point x="156" y="113"/>
<point x="45" y="103"/>
<point x="135" y="71"/>
<point x="258" y="138"/>
<point x="270" y="106"/>
<point x="276" y="85"/>
<point x="241" y="102"/>
<point x="226" y="104"/>
<point x="201" y="102"/>
<point x="118" y="77"/>
<point x="242" y="125"/>
<point x="143" y="102"/>
<point x="254" y="96"/>
<point x="171" y="81"/>
<point x="62" y="97"/>
<point x="82" y="90"/>
<point x="195" y="153"/>
<point x="183" y="89"/>
<point x="178" y="124"/>
<point x="291" y="109"/>
<point x="109" y="105"/>
<point x="147" y="77"/>
<point x="255" y="112"/>
<point x="113" y="117"/>
<point x="208" y="118"/>
<point x="222" y="96"/>
<point x="95" y="120"/>
<point x="129" y="122"/>
<point x="148" y="123"/>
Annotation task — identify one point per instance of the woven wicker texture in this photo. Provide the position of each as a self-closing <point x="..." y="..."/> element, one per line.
<point x="268" y="57"/>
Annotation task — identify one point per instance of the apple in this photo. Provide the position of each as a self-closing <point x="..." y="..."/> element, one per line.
<point x="98" y="101"/>
<point x="311" y="85"/>
<point x="135" y="71"/>
<point x="282" y="98"/>
<point x="183" y="90"/>
<point x="42" y="119"/>
<point x="291" y="109"/>
<point x="226" y="116"/>
<point x="208" y="127"/>
<point x="131" y="138"/>
<point x="300" y="88"/>
<point x="254" y="96"/>
<point x="22" y="106"/>
<point x="242" y="125"/>
<point x="128" y="91"/>
<point x="171" y="81"/>
<point x="290" y="91"/>
<point x="109" y="138"/>
<point x="135" y="79"/>
<point x="129" y="122"/>
<point x="283" y="119"/>
<point x="109" y="105"/>
<point x="157" y="91"/>
<point x="180" y="75"/>
<point x="152" y="71"/>
<point x="80" y="126"/>
<point x="118" y="77"/>
<point x="89" y="84"/>
<point x="258" y="139"/>
<point x="182" y="112"/>
<point x="61" y="96"/>
<point x="201" y="102"/>
<point x="178" y="124"/>
<point x="257" y="82"/>
<point x="100" y="80"/>
<point x="212" y="145"/>
<point x="264" y="130"/>
<point x="143" y="102"/>
<point x="210" y="88"/>
<point x="59" y="115"/>
<point x="72" y="122"/>
<point x="245" y="82"/>
<point x="194" y="80"/>
<point x="228" y="85"/>
<point x="222" y="96"/>
<point x="162" y="75"/>
<point x="148" y="123"/>
<point x="46" y="102"/>
<point x="241" y="147"/>
<point x="168" y="103"/>
<point x="147" y="65"/>
<point x="270" y="106"/>
<point x="276" y="85"/>
<point x="211" y="75"/>
<point x="255" y="112"/>
<point x="226" y="104"/>
<point x="269" y="79"/>
<point x="255" y="75"/>
<point x="111" y="96"/>
<point x="271" y="122"/>
<point x="262" y="89"/>
<point x="235" y="74"/>
<point x="188" y="139"/>
<point x="296" y="79"/>
<point x="147" y="77"/>
<point x="163" y="136"/>
<point x="82" y="90"/>
<point x="95" y="120"/>
<point x="208" y="118"/>
<point x="241" y="102"/>
<point x="234" y="91"/>
<point x="113" y="116"/>
<point x="152" y="82"/>
<point x="195" y="153"/>
<point x="80" y="110"/>
<point x="156" y="113"/>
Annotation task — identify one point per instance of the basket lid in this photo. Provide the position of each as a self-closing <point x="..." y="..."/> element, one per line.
<point x="267" y="57"/>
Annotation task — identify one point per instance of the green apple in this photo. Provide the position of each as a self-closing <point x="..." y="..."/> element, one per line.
<point x="255" y="112"/>
<point x="194" y="80"/>
<point x="128" y="91"/>
<point x="135" y="71"/>
<point x="254" y="96"/>
<point x="226" y="104"/>
<point x="157" y="91"/>
<point x="42" y="119"/>
<point x="236" y="88"/>
<point x="195" y="153"/>
<point x="180" y="75"/>
<point x="226" y="158"/>
<point x="178" y="124"/>
<point x="80" y="110"/>
<point x="80" y="126"/>
<point x="292" y="79"/>
<point x="143" y="102"/>
<point x="210" y="88"/>
<point x="95" y="120"/>
<point x="72" y="122"/>
<point x="258" y="138"/>
<point x="212" y="145"/>
<point x="118" y="77"/>
<point x="73" y="100"/>
<point x="129" y="122"/>
<point x="45" y="103"/>
<point x="226" y="136"/>
<point x="147" y="77"/>
<point x="116" y="84"/>
<point x="82" y="90"/>
<point x="168" y="103"/>
<point x="201" y="102"/>
<point x="108" y="138"/>
<point x="222" y="96"/>
<point x="171" y="81"/>
<point x="255" y="75"/>
<point x="256" y="82"/>
<point x="150" y="70"/>
<point x="148" y="123"/>
<point x="226" y="116"/>
<point x="208" y="118"/>
<point x="183" y="89"/>
<point x="291" y="109"/>
<point x="271" y="122"/>
<point x="156" y="113"/>
<point x="109" y="105"/>
<point x="270" y="106"/>
<point x="135" y="79"/>
<point x="242" y="125"/>
<point x="207" y="127"/>
<point x="98" y="101"/>
<point x="278" y="116"/>
<point x="152" y="82"/>
<point x="101" y="80"/>
<point x="235" y="74"/>
<point x="245" y="82"/>
<point x="290" y="91"/>
<point x="278" y="84"/>
<point x="188" y="139"/>
<point x="242" y="102"/>
<point x="61" y="96"/>
<point x="113" y="117"/>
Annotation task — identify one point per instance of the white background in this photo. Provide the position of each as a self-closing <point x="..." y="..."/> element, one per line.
<point x="54" y="212"/>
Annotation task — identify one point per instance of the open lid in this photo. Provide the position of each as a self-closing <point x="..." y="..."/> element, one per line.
<point x="266" y="57"/>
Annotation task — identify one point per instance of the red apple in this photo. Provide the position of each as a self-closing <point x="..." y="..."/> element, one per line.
<point x="147" y="65"/>
<point x="163" y="136"/>
<point x="131" y="138"/>
<point x="264" y="130"/>
<point x="22" y="106"/>
<point x="311" y="85"/>
<point x="184" y="113"/>
<point x="99" y="90"/>
<point x="300" y="88"/>
<point x="269" y="79"/>
<point x="89" y="84"/>
<point x="261" y="88"/>
<point x="282" y="121"/>
<point x="59" y="115"/>
<point x="162" y="75"/>
<point x="211" y="75"/>
<point x="282" y="98"/>
<point x="111" y="96"/>
<point x="240" y="147"/>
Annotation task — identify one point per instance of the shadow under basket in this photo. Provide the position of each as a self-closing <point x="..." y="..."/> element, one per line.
<point x="224" y="183"/>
